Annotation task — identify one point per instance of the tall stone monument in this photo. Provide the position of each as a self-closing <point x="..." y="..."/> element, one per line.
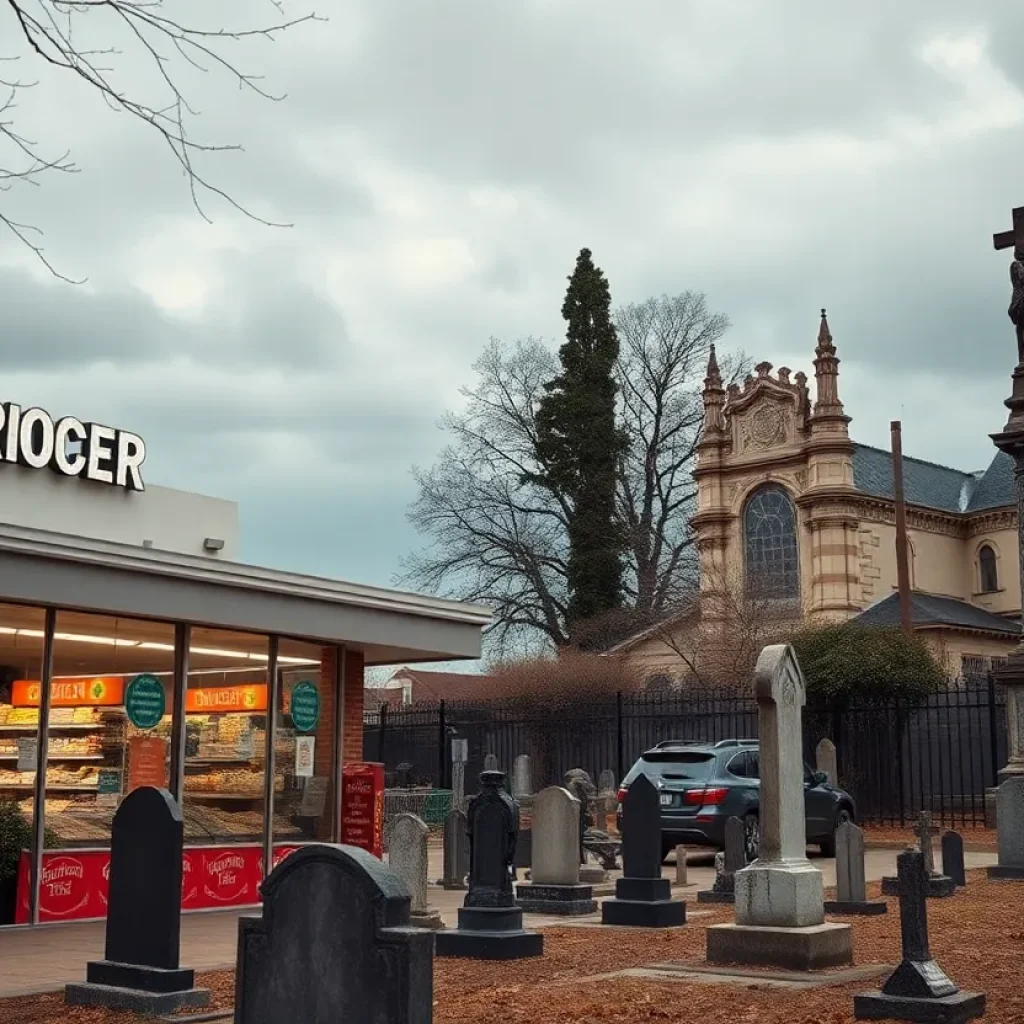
<point x="780" y="906"/>
<point x="1010" y="830"/>
<point x="456" y="850"/>
<point x="522" y="778"/>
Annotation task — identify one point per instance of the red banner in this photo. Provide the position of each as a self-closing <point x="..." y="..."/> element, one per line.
<point x="362" y="806"/>
<point x="75" y="882"/>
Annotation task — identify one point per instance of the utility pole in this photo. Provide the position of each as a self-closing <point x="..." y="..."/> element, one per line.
<point x="902" y="561"/>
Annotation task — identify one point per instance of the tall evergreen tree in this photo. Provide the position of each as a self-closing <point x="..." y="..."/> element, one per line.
<point x="580" y="445"/>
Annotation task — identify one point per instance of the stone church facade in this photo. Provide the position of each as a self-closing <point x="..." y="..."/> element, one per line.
<point x="794" y="511"/>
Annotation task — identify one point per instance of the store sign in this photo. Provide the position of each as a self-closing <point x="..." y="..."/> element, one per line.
<point x="362" y="807"/>
<point x="100" y="691"/>
<point x="305" y="706"/>
<point x="216" y="699"/>
<point x="31" y="438"/>
<point x="144" y="701"/>
<point x="147" y="762"/>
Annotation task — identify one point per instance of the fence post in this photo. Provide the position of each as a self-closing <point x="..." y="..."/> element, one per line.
<point x="381" y="730"/>
<point x="993" y="728"/>
<point x="442" y="743"/>
<point x="619" y="767"/>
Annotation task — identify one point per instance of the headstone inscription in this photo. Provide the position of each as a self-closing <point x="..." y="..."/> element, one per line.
<point x="953" y="858"/>
<point x="1009" y="830"/>
<point x="456" y="851"/>
<point x="851" y="886"/>
<point x="554" y="886"/>
<point x="140" y="970"/>
<point x="407" y="857"/>
<point x="642" y="897"/>
<point x="727" y="863"/>
<point x="780" y="906"/>
<point x="490" y="924"/>
<point x="939" y="886"/>
<point x="825" y="758"/>
<point x="918" y="990"/>
<point x="333" y="943"/>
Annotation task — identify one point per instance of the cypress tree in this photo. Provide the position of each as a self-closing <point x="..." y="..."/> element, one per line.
<point x="580" y="444"/>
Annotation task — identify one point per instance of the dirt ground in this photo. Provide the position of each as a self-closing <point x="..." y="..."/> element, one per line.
<point x="974" y="838"/>
<point x="976" y="936"/>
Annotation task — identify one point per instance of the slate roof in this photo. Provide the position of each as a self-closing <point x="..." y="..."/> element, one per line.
<point x="933" y="610"/>
<point x="933" y="486"/>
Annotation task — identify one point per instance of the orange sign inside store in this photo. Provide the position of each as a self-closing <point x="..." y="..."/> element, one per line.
<point x="99" y="691"/>
<point x="218" y="699"/>
<point x="147" y="759"/>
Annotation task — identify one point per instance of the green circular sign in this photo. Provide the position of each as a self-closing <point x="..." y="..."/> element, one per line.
<point x="144" y="701"/>
<point x="305" y="706"/>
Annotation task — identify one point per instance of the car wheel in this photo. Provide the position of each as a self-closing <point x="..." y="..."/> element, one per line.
<point x="828" y="846"/>
<point x="751" y="836"/>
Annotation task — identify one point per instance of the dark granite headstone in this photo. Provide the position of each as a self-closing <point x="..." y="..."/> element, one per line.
<point x="953" y="858"/>
<point x="490" y="924"/>
<point x="140" y="970"/>
<point x="734" y="858"/>
<point x="456" y="851"/>
<point x="333" y="944"/>
<point x="642" y="897"/>
<point x="918" y="990"/>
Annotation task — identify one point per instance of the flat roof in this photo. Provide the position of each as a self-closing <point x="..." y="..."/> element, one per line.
<point x="78" y="573"/>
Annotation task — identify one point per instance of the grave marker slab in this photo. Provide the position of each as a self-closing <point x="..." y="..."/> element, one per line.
<point x="642" y="897"/>
<point x="456" y="851"/>
<point x="140" y="970"/>
<point x="939" y="886"/>
<point x="491" y="763"/>
<point x="606" y="782"/>
<point x="851" y="887"/>
<point x="490" y="924"/>
<point x="953" y="858"/>
<point x="826" y="761"/>
<point x="918" y="990"/>
<point x="334" y="943"/>
<point x="1009" y="830"/>
<point x="522" y="777"/>
<point x="407" y="857"/>
<point x="727" y="863"/>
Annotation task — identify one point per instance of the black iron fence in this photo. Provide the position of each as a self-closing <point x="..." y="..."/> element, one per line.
<point x="896" y="759"/>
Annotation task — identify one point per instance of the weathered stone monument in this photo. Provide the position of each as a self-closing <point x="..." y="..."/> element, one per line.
<point x="140" y="970"/>
<point x="939" y="886"/>
<point x="491" y="763"/>
<point x="490" y="924"/>
<point x="1010" y="828"/>
<point x="554" y="886"/>
<point x="522" y="777"/>
<point x="642" y="896"/>
<point x="826" y="761"/>
<point x="727" y="863"/>
<point x="918" y="990"/>
<point x="334" y="943"/>
<point x="953" y="858"/>
<point x="851" y="887"/>
<point x="407" y="857"/>
<point x="780" y="907"/>
<point x="458" y="785"/>
<point x="456" y="851"/>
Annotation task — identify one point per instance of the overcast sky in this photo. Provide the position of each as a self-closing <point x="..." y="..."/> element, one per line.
<point x="444" y="161"/>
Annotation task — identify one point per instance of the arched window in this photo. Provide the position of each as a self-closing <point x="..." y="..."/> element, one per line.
<point x="769" y="531"/>
<point x="987" y="569"/>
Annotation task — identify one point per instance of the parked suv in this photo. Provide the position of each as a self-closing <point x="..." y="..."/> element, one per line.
<point x="702" y="785"/>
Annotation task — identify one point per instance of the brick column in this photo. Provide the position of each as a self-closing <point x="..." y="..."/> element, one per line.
<point x="353" y="684"/>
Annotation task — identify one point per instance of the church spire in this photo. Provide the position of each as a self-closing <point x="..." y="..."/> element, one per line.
<point x="714" y="397"/>
<point x="826" y="373"/>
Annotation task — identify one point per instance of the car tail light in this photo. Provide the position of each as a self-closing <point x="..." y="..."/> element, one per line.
<point x="621" y="795"/>
<point x="706" y="797"/>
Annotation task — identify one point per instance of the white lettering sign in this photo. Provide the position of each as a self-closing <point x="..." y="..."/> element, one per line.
<point x="70" y="447"/>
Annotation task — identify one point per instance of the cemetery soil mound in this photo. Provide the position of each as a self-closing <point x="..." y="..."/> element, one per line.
<point x="977" y="937"/>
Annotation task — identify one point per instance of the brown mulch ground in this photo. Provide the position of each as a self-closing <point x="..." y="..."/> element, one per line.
<point x="977" y="936"/>
<point x="974" y="838"/>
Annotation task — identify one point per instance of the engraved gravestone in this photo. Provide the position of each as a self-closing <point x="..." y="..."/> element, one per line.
<point x="825" y="758"/>
<point x="1010" y="829"/>
<point x="918" y="990"/>
<point x="333" y="944"/>
<point x="140" y="970"/>
<point x="727" y="863"/>
<point x="953" y="858"/>
<point x="851" y="885"/>
<point x="456" y="851"/>
<point x="407" y="857"/>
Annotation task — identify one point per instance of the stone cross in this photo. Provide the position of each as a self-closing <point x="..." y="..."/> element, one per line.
<point x="407" y="857"/>
<point x="333" y="943"/>
<point x="925" y="834"/>
<point x="825" y="760"/>
<point x="491" y="763"/>
<point x="456" y="851"/>
<point x="953" y="857"/>
<point x="556" y="814"/>
<point x="522" y="780"/>
<point x="851" y="885"/>
<point x="493" y="826"/>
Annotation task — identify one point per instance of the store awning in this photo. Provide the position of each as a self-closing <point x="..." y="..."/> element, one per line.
<point x="388" y="626"/>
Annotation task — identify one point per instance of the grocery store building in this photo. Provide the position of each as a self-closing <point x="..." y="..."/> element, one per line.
<point x="135" y="650"/>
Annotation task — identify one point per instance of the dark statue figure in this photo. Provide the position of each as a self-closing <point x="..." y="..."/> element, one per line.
<point x="493" y="827"/>
<point x="1016" y="310"/>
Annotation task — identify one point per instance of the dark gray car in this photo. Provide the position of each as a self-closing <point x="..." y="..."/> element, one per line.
<point x="702" y="785"/>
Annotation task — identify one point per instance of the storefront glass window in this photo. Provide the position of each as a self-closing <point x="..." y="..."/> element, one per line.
<point x="21" y="658"/>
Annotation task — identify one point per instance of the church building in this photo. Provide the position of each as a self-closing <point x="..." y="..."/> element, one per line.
<point x="796" y="516"/>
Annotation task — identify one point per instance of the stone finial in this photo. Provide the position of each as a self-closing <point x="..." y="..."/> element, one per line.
<point x="763" y="369"/>
<point x="784" y="372"/>
<point x="714" y="398"/>
<point x="826" y="373"/>
<point x="824" y="336"/>
<point x="714" y="377"/>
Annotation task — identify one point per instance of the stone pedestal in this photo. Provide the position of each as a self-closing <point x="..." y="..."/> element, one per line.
<point x="567" y="900"/>
<point x="430" y="918"/>
<point x="954" y="1009"/>
<point x="143" y="990"/>
<point x="644" y="903"/>
<point x="813" y="948"/>
<point x="489" y="933"/>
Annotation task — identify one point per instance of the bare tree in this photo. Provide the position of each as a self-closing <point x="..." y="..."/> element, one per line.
<point x="85" y="39"/>
<point x="497" y="537"/>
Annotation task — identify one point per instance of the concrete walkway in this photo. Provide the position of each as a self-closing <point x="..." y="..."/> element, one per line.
<point x="44" y="959"/>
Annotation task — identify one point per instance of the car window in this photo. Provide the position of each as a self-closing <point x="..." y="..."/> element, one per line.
<point x="682" y="765"/>
<point x="753" y="764"/>
<point x="739" y="766"/>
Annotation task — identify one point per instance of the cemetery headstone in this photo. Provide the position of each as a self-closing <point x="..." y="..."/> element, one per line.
<point x="825" y="758"/>
<point x="522" y="777"/>
<point x="140" y="970"/>
<point x="490" y="924"/>
<point x="554" y="886"/>
<point x="918" y="990"/>
<point x="681" y="878"/>
<point x="456" y="851"/>
<point x="407" y="857"/>
<point x="953" y="858"/>
<point x="491" y="763"/>
<point x="727" y="863"/>
<point x="459" y="784"/>
<point x="1009" y="830"/>
<point x="333" y="943"/>
<point x="642" y="897"/>
<point x="606" y="782"/>
<point x="939" y="886"/>
<point x="851" y="886"/>
<point x="780" y="906"/>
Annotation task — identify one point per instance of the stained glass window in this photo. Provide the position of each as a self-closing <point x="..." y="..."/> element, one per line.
<point x="769" y="528"/>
